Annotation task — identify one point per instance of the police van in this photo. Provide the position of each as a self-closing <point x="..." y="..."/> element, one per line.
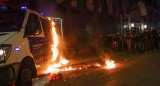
<point x="25" y="42"/>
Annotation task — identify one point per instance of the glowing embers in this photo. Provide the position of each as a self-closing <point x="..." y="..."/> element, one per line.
<point x="60" y="66"/>
<point x="110" y="64"/>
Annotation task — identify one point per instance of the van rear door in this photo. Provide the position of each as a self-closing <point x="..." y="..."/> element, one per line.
<point x="47" y="28"/>
<point x="36" y="39"/>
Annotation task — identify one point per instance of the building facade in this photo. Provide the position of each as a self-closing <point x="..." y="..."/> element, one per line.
<point x="86" y="20"/>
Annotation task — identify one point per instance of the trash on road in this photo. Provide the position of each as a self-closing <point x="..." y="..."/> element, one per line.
<point x="41" y="82"/>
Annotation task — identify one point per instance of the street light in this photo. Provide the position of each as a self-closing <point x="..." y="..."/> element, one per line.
<point x="145" y="26"/>
<point x="132" y="24"/>
<point x="125" y="26"/>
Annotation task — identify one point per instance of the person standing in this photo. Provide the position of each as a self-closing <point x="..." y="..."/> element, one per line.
<point x="113" y="42"/>
<point x="155" y="39"/>
<point x="118" y="37"/>
<point x="128" y="40"/>
<point x="147" y="41"/>
<point x="137" y="42"/>
<point x="152" y="39"/>
<point x="142" y="43"/>
<point x="159" y="41"/>
<point x="109" y="41"/>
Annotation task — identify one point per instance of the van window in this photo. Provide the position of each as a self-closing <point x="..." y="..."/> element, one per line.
<point x="46" y="27"/>
<point x="33" y="25"/>
<point x="11" y="20"/>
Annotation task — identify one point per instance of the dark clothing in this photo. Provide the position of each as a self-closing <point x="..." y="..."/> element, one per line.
<point x="109" y="41"/>
<point x="142" y="42"/>
<point x="158" y="38"/>
<point x="137" y="43"/>
<point x="118" y="37"/>
<point x="128" y="36"/>
<point x="137" y="38"/>
<point x="147" y="35"/>
<point x="147" y="38"/>
<point x="152" y="40"/>
<point x="147" y="45"/>
<point x="159" y="41"/>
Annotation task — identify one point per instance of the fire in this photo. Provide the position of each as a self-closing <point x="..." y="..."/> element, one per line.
<point x="69" y="68"/>
<point x="57" y="66"/>
<point x="55" y="42"/>
<point x="110" y="64"/>
<point x="63" y="61"/>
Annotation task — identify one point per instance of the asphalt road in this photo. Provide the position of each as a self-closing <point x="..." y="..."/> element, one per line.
<point x="144" y="70"/>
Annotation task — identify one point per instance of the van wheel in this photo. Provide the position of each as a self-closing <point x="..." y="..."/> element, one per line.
<point x="26" y="73"/>
<point x="26" y="76"/>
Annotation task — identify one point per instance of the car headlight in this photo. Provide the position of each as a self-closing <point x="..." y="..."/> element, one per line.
<point x="5" y="51"/>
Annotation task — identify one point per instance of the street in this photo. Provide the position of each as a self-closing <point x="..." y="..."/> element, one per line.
<point x="141" y="71"/>
<point x="79" y="43"/>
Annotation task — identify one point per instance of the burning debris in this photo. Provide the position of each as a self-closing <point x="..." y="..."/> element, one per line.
<point x="57" y="66"/>
<point x="56" y="76"/>
<point x="60" y="64"/>
<point x="94" y="65"/>
<point x="110" y="64"/>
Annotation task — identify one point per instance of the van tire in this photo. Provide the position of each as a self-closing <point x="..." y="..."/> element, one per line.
<point x="27" y="71"/>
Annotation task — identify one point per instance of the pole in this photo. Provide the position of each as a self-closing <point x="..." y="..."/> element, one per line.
<point x="61" y="27"/>
<point x="121" y="31"/>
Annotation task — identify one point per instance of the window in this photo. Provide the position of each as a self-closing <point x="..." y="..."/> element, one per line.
<point x="46" y="27"/>
<point x="33" y="25"/>
<point x="11" y="20"/>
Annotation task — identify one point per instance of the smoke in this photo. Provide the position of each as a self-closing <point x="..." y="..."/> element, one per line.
<point x="99" y="48"/>
<point x="62" y="46"/>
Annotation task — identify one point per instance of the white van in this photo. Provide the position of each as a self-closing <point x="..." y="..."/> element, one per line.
<point x="24" y="41"/>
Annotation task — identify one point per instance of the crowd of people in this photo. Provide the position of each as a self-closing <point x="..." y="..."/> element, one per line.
<point x="133" y="41"/>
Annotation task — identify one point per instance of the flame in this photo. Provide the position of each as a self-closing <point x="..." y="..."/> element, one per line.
<point x="55" y="42"/>
<point x="52" y="69"/>
<point x="69" y="68"/>
<point x="63" y="61"/>
<point x="110" y="64"/>
<point x="57" y="66"/>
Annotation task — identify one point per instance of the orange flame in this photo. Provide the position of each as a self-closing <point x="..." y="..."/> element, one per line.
<point x="56" y="67"/>
<point x="63" y="61"/>
<point x="110" y="64"/>
<point x="55" y="41"/>
<point x="66" y="69"/>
